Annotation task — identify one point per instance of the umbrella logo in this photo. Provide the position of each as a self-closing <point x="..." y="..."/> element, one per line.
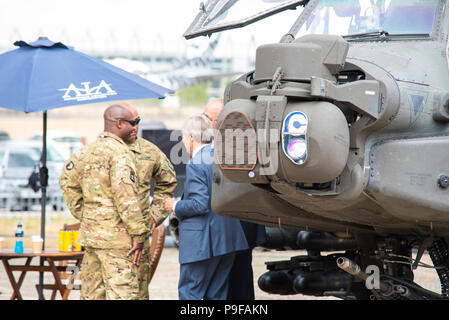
<point x="86" y="92"/>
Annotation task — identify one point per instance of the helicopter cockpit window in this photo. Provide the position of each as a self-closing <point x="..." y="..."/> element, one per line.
<point x="218" y="15"/>
<point x="349" y="17"/>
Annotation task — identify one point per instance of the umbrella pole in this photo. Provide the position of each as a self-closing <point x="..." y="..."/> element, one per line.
<point x="43" y="180"/>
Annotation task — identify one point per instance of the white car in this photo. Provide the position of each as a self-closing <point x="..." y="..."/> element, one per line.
<point x="66" y="142"/>
<point x="18" y="160"/>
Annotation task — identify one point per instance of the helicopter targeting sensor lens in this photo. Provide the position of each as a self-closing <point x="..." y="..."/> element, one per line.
<point x="296" y="123"/>
<point x="294" y="137"/>
<point x="297" y="148"/>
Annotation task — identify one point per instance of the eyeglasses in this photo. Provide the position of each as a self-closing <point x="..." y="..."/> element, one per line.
<point x="134" y="122"/>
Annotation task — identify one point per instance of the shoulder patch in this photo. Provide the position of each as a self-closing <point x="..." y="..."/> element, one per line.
<point x="70" y="165"/>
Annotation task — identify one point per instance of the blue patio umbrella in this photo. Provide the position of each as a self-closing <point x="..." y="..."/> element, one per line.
<point x="44" y="75"/>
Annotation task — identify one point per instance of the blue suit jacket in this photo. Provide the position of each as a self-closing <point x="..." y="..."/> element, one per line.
<point x="202" y="233"/>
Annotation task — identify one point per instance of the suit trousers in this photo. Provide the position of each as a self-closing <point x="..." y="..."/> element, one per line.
<point x="241" y="279"/>
<point x="206" y="279"/>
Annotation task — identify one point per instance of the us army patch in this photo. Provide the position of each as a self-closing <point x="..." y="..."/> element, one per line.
<point x="70" y="165"/>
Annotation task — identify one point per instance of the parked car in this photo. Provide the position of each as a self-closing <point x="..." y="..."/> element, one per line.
<point x="4" y="135"/>
<point x="18" y="160"/>
<point x="66" y="142"/>
<point x="17" y="163"/>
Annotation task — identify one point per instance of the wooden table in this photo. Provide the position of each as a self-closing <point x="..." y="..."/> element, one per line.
<point x="51" y="257"/>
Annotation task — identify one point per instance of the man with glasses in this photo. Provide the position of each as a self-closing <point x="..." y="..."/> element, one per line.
<point x="207" y="241"/>
<point x="100" y="187"/>
<point x="212" y="111"/>
<point x="241" y="282"/>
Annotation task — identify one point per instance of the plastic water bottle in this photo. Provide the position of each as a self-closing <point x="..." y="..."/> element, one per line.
<point x="19" y="239"/>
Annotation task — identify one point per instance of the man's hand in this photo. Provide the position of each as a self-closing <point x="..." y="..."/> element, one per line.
<point x="168" y="204"/>
<point x="153" y="226"/>
<point x="137" y="249"/>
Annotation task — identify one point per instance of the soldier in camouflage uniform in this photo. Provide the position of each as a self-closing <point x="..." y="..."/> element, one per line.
<point x="102" y="193"/>
<point x="151" y="162"/>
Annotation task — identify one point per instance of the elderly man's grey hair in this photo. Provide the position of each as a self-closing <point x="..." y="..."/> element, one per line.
<point x="200" y="127"/>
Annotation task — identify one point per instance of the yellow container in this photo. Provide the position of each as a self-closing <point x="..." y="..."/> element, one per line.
<point x="76" y="246"/>
<point x="61" y="240"/>
<point x="67" y="239"/>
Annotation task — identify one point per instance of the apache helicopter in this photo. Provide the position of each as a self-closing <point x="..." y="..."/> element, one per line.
<point x="339" y="138"/>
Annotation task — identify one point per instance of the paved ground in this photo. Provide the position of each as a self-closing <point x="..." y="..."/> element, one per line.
<point x="164" y="283"/>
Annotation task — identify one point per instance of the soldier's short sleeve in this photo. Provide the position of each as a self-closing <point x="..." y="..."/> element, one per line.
<point x="71" y="188"/>
<point x="125" y="193"/>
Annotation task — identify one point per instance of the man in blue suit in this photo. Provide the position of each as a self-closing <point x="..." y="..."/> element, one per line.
<point x="207" y="242"/>
<point x="241" y="278"/>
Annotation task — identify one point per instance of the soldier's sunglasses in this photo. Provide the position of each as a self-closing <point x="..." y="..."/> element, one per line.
<point x="134" y="122"/>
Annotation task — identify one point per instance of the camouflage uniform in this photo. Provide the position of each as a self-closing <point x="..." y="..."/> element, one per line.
<point x="100" y="186"/>
<point x="151" y="163"/>
<point x="69" y="183"/>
